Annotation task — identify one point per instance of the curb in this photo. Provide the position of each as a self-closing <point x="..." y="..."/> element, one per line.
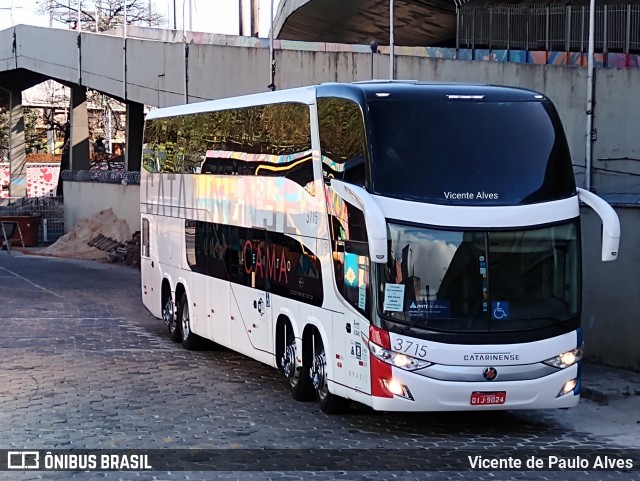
<point x="602" y="384"/>
<point x="595" y="395"/>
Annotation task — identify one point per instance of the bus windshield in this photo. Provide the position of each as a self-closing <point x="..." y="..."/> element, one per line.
<point x="481" y="281"/>
<point x="462" y="152"/>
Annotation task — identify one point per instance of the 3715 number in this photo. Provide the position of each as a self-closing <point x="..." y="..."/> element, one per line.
<point x="409" y="347"/>
<point x="312" y="217"/>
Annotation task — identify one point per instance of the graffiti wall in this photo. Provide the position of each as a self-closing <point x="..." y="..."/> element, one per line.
<point x="42" y="179"/>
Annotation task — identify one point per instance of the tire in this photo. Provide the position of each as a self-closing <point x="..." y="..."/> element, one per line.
<point x="329" y="403"/>
<point x="170" y="318"/>
<point x="296" y="374"/>
<point x="190" y="341"/>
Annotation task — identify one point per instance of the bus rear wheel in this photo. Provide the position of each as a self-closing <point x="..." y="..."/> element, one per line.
<point x="299" y="383"/>
<point x="329" y="403"/>
<point x="170" y="318"/>
<point x="190" y="341"/>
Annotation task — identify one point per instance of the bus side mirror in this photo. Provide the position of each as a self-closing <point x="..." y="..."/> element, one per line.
<point x="610" y="223"/>
<point x="373" y="217"/>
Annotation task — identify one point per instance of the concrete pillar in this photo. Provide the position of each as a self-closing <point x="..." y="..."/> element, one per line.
<point x="79" y="120"/>
<point x="249" y="18"/>
<point x="17" y="147"/>
<point x="133" y="147"/>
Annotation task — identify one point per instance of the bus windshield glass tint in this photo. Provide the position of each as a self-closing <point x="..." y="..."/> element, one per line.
<point x="481" y="281"/>
<point x="469" y="152"/>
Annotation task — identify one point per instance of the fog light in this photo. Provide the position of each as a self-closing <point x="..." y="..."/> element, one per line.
<point x="568" y="387"/>
<point x="394" y="387"/>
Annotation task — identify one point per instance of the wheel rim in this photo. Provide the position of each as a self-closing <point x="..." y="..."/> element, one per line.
<point x="289" y="366"/>
<point x="185" y="322"/>
<point x="319" y="374"/>
<point x="168" y="315"/>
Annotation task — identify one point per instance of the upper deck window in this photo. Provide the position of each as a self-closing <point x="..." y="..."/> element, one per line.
<point x="468" y="151"/>
<point x="342" y="140"/>
<point x="265" y="140"/>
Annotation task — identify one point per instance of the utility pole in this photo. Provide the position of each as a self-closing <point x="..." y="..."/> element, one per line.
<point x="391" y="44"/>
<point x="591" y="48"/>
<point x="98" y="12"/>
<point x="79" y="15"/>
<point x="272" y="54"/>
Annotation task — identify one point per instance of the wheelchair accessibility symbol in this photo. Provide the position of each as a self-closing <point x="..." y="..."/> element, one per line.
<point x="499" y="310"/>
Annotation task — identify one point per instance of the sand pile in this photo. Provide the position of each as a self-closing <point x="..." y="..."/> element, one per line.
<point x="74" y="243"/>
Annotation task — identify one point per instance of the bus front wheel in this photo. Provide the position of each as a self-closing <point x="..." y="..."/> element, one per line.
<point x="329" y="403"/>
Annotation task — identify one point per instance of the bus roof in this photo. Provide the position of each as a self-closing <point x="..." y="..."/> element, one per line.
<point x="377" y="88"/>
<point x="368" y="89"/>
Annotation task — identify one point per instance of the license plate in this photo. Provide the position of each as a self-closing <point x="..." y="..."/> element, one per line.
<point x="488" y="398"/>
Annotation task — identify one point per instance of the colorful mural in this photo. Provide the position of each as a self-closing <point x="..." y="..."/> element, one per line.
<point x="42" y="179"/>
<point x="576" y="59"/>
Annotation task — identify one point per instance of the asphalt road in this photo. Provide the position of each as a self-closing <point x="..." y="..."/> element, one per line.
<point x="85" y="366"/>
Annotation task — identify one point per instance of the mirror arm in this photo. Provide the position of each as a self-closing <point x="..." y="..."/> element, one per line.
<point x="610" y="223"/>
<point x="374" y="218"/>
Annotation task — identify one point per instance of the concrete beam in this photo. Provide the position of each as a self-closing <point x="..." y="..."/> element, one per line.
<point x="79" y="124"/>
<point x="133" y="147"/>
<point x="17" y="147"/>
<point x="416" y="22"/>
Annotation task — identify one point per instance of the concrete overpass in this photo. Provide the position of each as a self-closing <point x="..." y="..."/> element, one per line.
<point x="155" y="67"/>
<point x="416" y="22"/>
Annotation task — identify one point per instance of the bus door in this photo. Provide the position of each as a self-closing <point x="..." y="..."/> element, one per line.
<point x="151" y="274"/>
<point x="352" y="272"/>
<point x="250" y="304"/>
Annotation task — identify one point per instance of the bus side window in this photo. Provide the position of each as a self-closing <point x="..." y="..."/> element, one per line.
<point x="144" y="244"/>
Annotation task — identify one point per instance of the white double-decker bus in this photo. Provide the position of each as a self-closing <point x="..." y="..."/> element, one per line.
<point x="409" y="246"/>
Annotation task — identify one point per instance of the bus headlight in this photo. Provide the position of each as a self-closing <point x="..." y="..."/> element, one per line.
<point x="565" y="359"/>
<point x="397" y="359"/>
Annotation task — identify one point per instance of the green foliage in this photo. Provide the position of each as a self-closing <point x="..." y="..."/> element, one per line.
<point x="34" y="134"/>
<point x="4" y="132"/>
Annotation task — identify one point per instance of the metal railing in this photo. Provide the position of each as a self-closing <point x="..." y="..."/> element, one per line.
<point x="549" y="27"/>
<point x="49" y="209"/>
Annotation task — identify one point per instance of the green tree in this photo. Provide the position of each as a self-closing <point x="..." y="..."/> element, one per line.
<point x="34" y="132"/>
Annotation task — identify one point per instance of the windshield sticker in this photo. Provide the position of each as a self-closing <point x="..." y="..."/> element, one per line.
<point x="483" y="272"/>
<point x="440" y="309"/>
<point x="393" y="297"/>
<point x="362" y="296"/>
<point x="499" y="310"/>
<point x="479" y="195"/>
<point x="351" y="269"/>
